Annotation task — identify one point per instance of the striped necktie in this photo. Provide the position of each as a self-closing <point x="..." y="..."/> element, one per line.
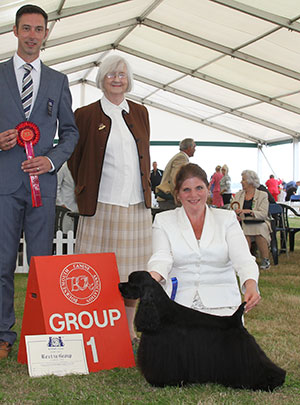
<point x="27" y="89"/>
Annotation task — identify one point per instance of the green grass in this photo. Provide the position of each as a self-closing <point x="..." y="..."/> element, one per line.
<point x="275" y="323"/>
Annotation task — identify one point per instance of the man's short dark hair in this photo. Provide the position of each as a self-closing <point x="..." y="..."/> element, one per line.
<point x="30" y="9"/>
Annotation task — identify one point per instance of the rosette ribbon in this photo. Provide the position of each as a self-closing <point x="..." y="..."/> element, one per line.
<point x="174" y="287"/>
<point x="28" y="136"/>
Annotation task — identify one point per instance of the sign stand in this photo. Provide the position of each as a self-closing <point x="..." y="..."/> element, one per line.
<point x="79" y="294"/>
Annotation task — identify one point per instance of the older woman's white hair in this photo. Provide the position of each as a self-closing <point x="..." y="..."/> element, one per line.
<point x="114" y="64"/>
<point x="251" y="177"/>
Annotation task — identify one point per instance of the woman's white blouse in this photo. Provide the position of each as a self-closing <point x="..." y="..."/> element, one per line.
<point x="121" y="179"/>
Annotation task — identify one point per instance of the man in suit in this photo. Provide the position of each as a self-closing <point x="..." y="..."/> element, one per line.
<point x="155" y="177"/>
<point x="50" y="103"/>
<point x="165" y="190"/>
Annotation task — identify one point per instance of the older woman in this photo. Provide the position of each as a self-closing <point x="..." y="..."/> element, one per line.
<point x="111" y="169"/>
<point x="251" y="206"/>
<point x="225" y="185"/>
<point x="198" y="250"/>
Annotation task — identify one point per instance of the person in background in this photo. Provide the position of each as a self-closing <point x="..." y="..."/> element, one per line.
<point x="111" y="170"/>
<point x="66" y="189"/>
<point x="271" y="199"/>
<point x="252" y="207"/>
<point x="217" y="199"/>
<point x="155" y="177"/>
<point x="225" y="185"/>
<point x="34" y="94"/>
<point x="66" y="196"/>
<point x="291" y="189"/>
<point x="273" y="186"/>
<point x="165" y="191"/>
<point x="281" y="192"/>
<point x="200" y="250"/>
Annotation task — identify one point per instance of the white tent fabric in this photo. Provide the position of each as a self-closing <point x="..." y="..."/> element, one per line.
<point x="231" y="68"/>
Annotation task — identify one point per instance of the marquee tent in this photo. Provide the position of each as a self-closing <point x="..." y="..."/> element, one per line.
<point x="230" y="67"/>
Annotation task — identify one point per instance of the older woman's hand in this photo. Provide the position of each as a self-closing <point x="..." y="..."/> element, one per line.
<point x="251" y="296"/>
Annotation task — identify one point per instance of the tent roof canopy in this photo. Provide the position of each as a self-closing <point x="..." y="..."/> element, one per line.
<point x="231" y="66"/>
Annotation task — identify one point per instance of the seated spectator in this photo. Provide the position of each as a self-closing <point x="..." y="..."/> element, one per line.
<point x="271" y="199"/>
<point x="251" y="206"/>
<point x="66" y="196"/>
<point x="291" y="189"/>
<point x="66" y="189"/>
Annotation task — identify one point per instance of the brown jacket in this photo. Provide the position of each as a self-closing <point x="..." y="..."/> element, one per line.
<point x="87" y="160"/>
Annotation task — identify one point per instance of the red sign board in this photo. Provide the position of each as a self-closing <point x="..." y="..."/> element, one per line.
<point x="79" y="294"/>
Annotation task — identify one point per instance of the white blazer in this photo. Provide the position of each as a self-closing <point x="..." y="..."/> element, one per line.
<point x="209" y="265"/>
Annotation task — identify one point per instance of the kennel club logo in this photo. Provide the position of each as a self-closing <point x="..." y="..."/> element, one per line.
<point x="55" y="341"/>
<point x="80" y="283"/>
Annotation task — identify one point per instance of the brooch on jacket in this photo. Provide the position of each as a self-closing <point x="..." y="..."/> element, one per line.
<point x="101" y="126"/>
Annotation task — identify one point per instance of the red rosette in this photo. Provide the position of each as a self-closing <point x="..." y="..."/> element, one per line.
<point x="28" y="136"/>
<point x="27" y="132"/>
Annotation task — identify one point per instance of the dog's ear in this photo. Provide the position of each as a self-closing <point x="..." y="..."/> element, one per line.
<point x="147" y="317"/>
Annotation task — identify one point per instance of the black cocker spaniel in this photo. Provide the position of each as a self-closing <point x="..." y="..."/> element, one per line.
<point x="181" y="346"/>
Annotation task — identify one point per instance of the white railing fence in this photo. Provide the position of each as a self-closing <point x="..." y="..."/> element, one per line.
<point x="62" y="244"/>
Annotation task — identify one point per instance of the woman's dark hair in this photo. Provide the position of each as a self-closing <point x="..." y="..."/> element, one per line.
<point x="186" y="172"/>
<point x="31" y="9"/>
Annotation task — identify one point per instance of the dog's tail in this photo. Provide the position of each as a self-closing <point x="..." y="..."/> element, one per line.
<point x="236" y="318"/>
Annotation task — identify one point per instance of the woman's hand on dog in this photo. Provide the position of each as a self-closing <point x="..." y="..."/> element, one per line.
<point x="251" y="295"/>
<point x="157" y="277"/>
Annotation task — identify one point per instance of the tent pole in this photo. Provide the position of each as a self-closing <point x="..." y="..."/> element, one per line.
<point x="259" y="160"/>
<point x="82" y="93"/>
<point x="296" y="175"/>
<point x="261" y="154"/>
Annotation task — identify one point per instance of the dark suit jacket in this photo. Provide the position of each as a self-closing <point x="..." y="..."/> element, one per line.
<point x="53" y="88"/>
<point x="87" y="160"/>
<point x="155" y="178"/>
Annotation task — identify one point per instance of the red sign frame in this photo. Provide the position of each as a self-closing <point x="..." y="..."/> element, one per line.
<point x="79" y="294"/>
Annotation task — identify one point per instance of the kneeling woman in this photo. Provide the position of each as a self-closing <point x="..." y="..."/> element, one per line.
<point x="198" y="251"/>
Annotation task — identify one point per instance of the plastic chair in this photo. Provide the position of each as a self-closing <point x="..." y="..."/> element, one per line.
<point x="60" y="213"/>
<point x="291" y="230"/>
<point x="277" y="225"/>
<point x="64" y="221"/>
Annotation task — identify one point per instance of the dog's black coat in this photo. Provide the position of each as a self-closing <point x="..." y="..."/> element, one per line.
<point x="180" y="345"/>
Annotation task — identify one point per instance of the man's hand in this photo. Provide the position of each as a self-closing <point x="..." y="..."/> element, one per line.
<point x="8" y="139"/>
<point x="36" y="166"/>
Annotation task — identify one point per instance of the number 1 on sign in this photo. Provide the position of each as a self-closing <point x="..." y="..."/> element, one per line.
<point x="92" y="343"/>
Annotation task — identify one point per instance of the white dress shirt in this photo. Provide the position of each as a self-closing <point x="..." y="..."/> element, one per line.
<point x="35" y="74"/>
<point x="121" y="179"/>
<point x="36" y="77"/>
